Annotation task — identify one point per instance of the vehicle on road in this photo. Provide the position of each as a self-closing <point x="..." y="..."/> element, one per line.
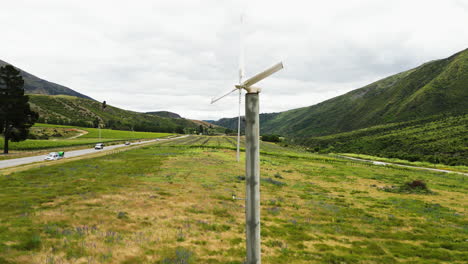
<point x="55" y="155"/>
<point x="127" y="143"/>
<point x="99" y="146"/>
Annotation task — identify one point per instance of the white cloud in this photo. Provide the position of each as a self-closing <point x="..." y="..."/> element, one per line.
<point x="176" y="55"/>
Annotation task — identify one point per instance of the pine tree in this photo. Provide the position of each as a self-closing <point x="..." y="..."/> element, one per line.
<point x="16" y="116"/>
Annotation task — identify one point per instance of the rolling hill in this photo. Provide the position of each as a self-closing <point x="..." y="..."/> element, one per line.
<point x="61" y="105"/>
<point x="419" y="114"/>
<point x="434" y="88"/>
<point x="441" y="140"/>
<point x="71" y="110"/>
<point x="35" y="85"/>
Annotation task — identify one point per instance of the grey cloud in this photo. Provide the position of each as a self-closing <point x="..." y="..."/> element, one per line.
<point x="176" y="55"/>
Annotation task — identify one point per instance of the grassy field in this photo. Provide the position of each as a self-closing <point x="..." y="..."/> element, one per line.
<point x="92" y="137"/>
<point x="409" y="163"/>
<point x="110" y="133"/>
<point x="171" y="202"/>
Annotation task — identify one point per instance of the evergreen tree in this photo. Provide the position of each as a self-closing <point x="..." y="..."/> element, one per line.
<point x="16" y="116"/>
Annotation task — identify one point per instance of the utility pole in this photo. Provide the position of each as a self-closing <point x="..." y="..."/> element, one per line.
<point x="252" y="179"/>
<point x="252" y="161"/>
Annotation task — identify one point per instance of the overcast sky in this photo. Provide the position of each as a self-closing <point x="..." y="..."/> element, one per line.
<point x="176" y="55"/>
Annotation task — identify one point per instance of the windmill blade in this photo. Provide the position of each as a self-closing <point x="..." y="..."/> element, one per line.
<point x="255" y="79"/>
<point x="241" y="50"/>
<point x="241" y="77"/>
<point x="222" y="96"/>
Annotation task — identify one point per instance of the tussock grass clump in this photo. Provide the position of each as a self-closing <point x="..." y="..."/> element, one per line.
<point x="278" y="176"/>
<point x="416" y="186"/>
<point x="274" y="182"/>
<point x="31" y="242"/>
<point x="122" y="215"/>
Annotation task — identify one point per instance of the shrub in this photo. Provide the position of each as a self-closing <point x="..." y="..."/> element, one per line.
<point x="278" y="176"/>
<point x="416" y="186"/>
<point x="122" y="215"/>
<point x="271" y="138"/>
<point x="30" y="243"/>
<point x="274" y="182"/>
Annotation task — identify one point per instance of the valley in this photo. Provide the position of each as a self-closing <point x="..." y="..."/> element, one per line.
<point x="172" y="202"/>
<point x="375" y="175"/>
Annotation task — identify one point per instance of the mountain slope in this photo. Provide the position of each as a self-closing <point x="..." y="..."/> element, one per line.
<point x="71" y="110"/>
<point x="443" y="140"/>
<point x="35" y="85"/>
<point x="231" y="123"/>
<point x="434" y="88"/>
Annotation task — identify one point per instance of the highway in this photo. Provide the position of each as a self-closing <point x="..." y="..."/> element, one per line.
<point x="73" y="153"/>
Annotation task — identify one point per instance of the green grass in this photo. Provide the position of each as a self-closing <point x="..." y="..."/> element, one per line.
<point x="35" y="144"/>
<point x="120" y="134"/>
<point x="405" y="162"/>
<point x="110" y="133"/>
<point x="171" y="203"/>
<point x="442" y="141"/>
<point x="107" y="135"/>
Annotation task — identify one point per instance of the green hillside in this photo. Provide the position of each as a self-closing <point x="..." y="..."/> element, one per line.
<point x="417" y="115"/>
<point x="231" y="123"/>
<point x="70" y="110"/>
<point x="444" y="140"/>
<point x="434" y="88"/>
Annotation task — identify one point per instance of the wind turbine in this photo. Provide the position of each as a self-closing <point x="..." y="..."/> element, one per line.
<point x="252" y="154"/>
<point x="241" y="76"/>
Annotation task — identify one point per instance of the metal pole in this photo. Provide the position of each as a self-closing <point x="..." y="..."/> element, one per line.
<point x="252" y="179"/>
<point x="238" y="128"/>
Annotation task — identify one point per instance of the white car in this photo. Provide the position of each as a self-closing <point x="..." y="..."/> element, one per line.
<point x="99" y="146"/>
<point x="53" y="156"/>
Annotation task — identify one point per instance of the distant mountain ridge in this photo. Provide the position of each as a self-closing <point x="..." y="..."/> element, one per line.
<point x="36" y="85"/>
<point x="57" y="104"/>
<point x="164" y="114"/>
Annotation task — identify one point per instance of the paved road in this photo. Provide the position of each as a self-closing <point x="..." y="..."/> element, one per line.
<point x="401" y="165"/>
<point x="73" y="153"/>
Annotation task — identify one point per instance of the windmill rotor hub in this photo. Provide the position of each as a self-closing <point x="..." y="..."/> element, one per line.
<point x="253" y="90"/>
<point x="249" y="89"/>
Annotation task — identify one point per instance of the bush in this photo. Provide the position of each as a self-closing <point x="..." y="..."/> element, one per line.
<point x="274" y="182"/>
<point x="271" y="138"/>
<point x="30" y="243"/>
<point x="416" y="186"/>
